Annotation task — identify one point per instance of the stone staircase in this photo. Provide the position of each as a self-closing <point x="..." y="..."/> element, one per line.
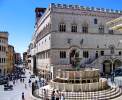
<point x="98" y="95"/>
<point x="96" y="62"/>
<point x="109" y="93"/>
<point x="41" y="95"/>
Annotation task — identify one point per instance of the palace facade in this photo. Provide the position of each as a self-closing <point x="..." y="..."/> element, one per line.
<point x="65" y="32"/>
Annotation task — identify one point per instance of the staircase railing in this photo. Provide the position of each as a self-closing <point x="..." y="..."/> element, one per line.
<point x="95" y="60"/>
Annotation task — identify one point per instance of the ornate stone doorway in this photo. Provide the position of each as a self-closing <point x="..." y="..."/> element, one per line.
<point x="74" y="54"/>
<point x="117" y="63"/>
<point x="107" y="67"/>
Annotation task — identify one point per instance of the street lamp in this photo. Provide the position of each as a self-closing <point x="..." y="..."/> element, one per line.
<point x="112" y="48"/>
<point x="112" y="61"/>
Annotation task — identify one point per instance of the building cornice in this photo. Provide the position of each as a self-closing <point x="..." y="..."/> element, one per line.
<point x="3" y="37"/>
<point x="83" y="48"/>
<point x="80" y="33"/>
<point x="87" y="13"/>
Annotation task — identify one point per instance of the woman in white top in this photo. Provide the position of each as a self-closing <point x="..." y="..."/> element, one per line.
<point x="57" y="95"/>
<point x="62" y="96"/>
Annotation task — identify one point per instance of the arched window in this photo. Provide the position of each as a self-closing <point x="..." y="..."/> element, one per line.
<point x="95" y="21"/>
<point x="74" y="28"/>
<point x="62" y="27"/>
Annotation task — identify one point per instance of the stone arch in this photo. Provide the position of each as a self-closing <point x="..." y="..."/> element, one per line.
<point x="107" y="64"/>
<point x="117" y="63"/>
<point x="74" y="53"/>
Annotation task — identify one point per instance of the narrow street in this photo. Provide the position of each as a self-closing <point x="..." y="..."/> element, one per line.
<point x="18" y="88"/>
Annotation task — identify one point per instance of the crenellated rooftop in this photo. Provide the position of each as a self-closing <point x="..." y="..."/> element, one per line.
<point x="53" y="5"/>
<point x="3" y="32"/>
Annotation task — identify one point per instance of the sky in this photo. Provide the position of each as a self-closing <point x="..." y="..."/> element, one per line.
<point x="18" y="17"/>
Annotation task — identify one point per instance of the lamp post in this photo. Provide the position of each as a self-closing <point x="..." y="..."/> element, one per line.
<point x="112" y="60"/>
<point x="112" y="47"/>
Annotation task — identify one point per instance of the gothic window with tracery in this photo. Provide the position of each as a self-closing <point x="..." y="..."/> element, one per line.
<point x="62" y="27"/>
<point x="74" y="28"/>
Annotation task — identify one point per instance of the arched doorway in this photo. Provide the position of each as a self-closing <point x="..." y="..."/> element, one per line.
<point x="74" y="54"/>
<point x="96" y="55"/>
<point x="117" y="63"/>
<point x="107" y="67"/>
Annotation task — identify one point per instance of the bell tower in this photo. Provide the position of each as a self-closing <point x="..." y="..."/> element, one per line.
<point x="39" y="12"/>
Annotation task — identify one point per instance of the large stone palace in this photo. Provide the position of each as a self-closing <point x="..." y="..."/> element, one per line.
<point x="65" y="32"/>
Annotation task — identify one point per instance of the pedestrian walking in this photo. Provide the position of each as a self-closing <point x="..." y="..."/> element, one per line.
<point x="45" y="94"/>
<point x="53" y="95"/>
<point x="23" y="80"/>
<point x="29" y="82"/>
<point x="57" y="95"/>
<point x="23" y="97"/>
<point x="25" y="86"/>
<point x="20" y="79"/>
<point x="62" y="96"/>
<point x="14" y="82"/>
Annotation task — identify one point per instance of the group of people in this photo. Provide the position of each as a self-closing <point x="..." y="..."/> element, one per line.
<point x="22" y="80"/>
<point x="23" y="97"/>
<point x="29" y="82"/>
<point x="56" y="95"/>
